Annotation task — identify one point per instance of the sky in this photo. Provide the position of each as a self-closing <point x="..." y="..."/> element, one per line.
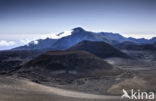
<point x="24" y="20"/>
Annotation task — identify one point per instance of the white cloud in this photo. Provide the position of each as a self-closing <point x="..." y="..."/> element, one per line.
<point x="28" y="42"/>
<point x="45" y="36"/>
<point x="7" y="43"/>
<point x="64" y="34"/>
<point x="35" y="42"/>
<point x="57" y="36"/>
<point x="25" y="41"/>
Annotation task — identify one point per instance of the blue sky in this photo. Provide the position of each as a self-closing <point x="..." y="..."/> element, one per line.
<point x="24" y="20"/>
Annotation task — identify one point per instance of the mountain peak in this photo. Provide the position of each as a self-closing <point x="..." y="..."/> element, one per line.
<point x="78" y="29"/>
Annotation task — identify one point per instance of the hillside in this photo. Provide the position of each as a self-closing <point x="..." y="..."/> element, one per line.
<point x="10" y="60"/>
<point x="100" y="49"/>
<point x="137" y="47"/>
<point x="66" y="65"/>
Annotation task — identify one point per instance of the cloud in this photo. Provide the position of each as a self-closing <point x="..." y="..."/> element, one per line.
<point x="35" y="42"/>
<point x="45" y="36"/>
<point x="25" y="41"/>
<point x="7" y="43"/>
<point x="58" y="35"/>
<point x="64" y="34"/>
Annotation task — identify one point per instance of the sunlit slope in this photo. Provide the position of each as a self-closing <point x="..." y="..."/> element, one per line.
<point x="12" y="89"/>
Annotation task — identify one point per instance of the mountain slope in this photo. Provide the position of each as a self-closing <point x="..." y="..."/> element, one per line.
<point x="135" y="46"/>
<point x="38" y="44"/>
<point x="100" y="49"/>
<point x="66" y="66"/>
<point x="67" y="60"/>
<point x="10" y="60"/>
<point x="17" y="89"/>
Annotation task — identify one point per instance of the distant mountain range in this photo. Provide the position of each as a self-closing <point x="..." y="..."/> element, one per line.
<point x="67" y="39"/>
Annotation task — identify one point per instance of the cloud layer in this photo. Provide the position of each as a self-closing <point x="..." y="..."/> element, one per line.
<point x="7" y="43"/>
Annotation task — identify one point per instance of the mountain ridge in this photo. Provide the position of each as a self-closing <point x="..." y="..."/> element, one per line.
<point x="77" y="35"/>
